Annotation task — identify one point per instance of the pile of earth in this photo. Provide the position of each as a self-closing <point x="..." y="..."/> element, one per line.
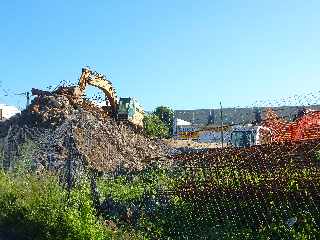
<point x="75" y="133"/>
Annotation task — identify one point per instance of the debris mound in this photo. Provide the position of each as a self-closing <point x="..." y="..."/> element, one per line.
<point x="75" y="133"/>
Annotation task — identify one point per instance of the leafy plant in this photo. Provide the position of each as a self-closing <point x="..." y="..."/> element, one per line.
<point x="23" y="161"/>
<point x="317" y="155"/>
<point x="154" y="127"/>
<point x="37" y="207"/>
<point x="165" y="114"/>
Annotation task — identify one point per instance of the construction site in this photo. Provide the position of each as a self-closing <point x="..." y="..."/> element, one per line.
<point x="160" y="120"/>
<point x="249" y="175"/>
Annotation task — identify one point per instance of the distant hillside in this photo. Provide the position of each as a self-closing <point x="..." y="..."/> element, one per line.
<point x="233" y="116"/>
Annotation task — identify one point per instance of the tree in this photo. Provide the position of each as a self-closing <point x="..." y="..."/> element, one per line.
<point x="154" y="127"/>
<point x="165" y="114"/>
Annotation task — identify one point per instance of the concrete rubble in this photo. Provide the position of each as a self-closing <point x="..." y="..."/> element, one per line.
<point x="75" y="133"/>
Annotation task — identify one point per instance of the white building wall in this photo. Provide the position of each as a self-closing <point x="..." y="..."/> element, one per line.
<point x="8" y="111"/>
<point x="180" y="125"/>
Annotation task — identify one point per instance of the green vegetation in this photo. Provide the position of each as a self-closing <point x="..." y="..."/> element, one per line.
<point x="166" y="115"/>
<point x="191" y="201"/>
<point x="317" y="155"/>
<point x="222" y="203"/>
<point x="159" y="124"/>
<point x="154" y="127"/>
<point x="37" y="207"/>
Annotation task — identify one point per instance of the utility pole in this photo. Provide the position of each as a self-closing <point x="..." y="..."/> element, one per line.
<point x="27" y="95"/>
<point x="28" y="98"/>
<point x="221" y="118"/>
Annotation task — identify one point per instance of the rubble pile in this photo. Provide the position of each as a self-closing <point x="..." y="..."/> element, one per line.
<point x="73" y="133"/>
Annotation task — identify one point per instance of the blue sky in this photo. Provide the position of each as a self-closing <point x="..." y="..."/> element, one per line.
<point x="184" y="54"/>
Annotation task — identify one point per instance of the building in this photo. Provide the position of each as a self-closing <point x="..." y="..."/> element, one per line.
<point x="205" y="124"/>
<point x="182" y="129"/>
<point x="7" y="111"/>
<point x="238" y="116"/>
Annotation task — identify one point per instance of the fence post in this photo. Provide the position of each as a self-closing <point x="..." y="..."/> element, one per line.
<point x="221" y="124"/>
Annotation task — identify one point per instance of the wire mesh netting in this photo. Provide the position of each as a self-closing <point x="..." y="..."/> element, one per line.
<point x="262" y="184"/>
<point x="254" y="190"/>
<point x="263" y="191"/>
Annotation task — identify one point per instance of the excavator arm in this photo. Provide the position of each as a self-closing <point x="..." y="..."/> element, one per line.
<point x="132" y="113"/>
<point x="89" y="77"/>
<point x="131" y="110"/>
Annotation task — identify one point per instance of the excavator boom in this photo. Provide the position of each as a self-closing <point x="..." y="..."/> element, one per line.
<point x="89" y="77"/>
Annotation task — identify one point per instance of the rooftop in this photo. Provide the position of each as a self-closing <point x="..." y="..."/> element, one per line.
<point x="237" y="116"/>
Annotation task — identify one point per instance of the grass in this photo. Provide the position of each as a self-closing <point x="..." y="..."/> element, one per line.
<point x="197" y="202"/>
<point x="37" y="207"/>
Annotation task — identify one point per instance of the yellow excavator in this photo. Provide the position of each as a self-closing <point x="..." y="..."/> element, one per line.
<point x="123" y="109"/>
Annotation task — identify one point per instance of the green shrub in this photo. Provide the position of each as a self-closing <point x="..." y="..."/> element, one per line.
<point x="37" y="207"/>
<point x="225" y="202"/>
<point x="24" y="162"/>
<point x="317" y="155"/>
<point x="166" y="115"/>
<point x="154" y="127"/>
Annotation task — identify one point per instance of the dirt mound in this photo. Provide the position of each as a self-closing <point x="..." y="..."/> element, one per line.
<point x="72" y="133"/>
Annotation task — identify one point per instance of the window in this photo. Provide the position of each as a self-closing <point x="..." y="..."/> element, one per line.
<point x="123" y="106"/>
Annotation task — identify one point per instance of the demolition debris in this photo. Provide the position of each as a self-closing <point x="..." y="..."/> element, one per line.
<point x="72" y="130"/>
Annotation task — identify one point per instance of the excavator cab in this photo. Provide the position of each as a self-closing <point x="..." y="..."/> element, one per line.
<point x="125" y="108"/>
<point x="130" y="110"/>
